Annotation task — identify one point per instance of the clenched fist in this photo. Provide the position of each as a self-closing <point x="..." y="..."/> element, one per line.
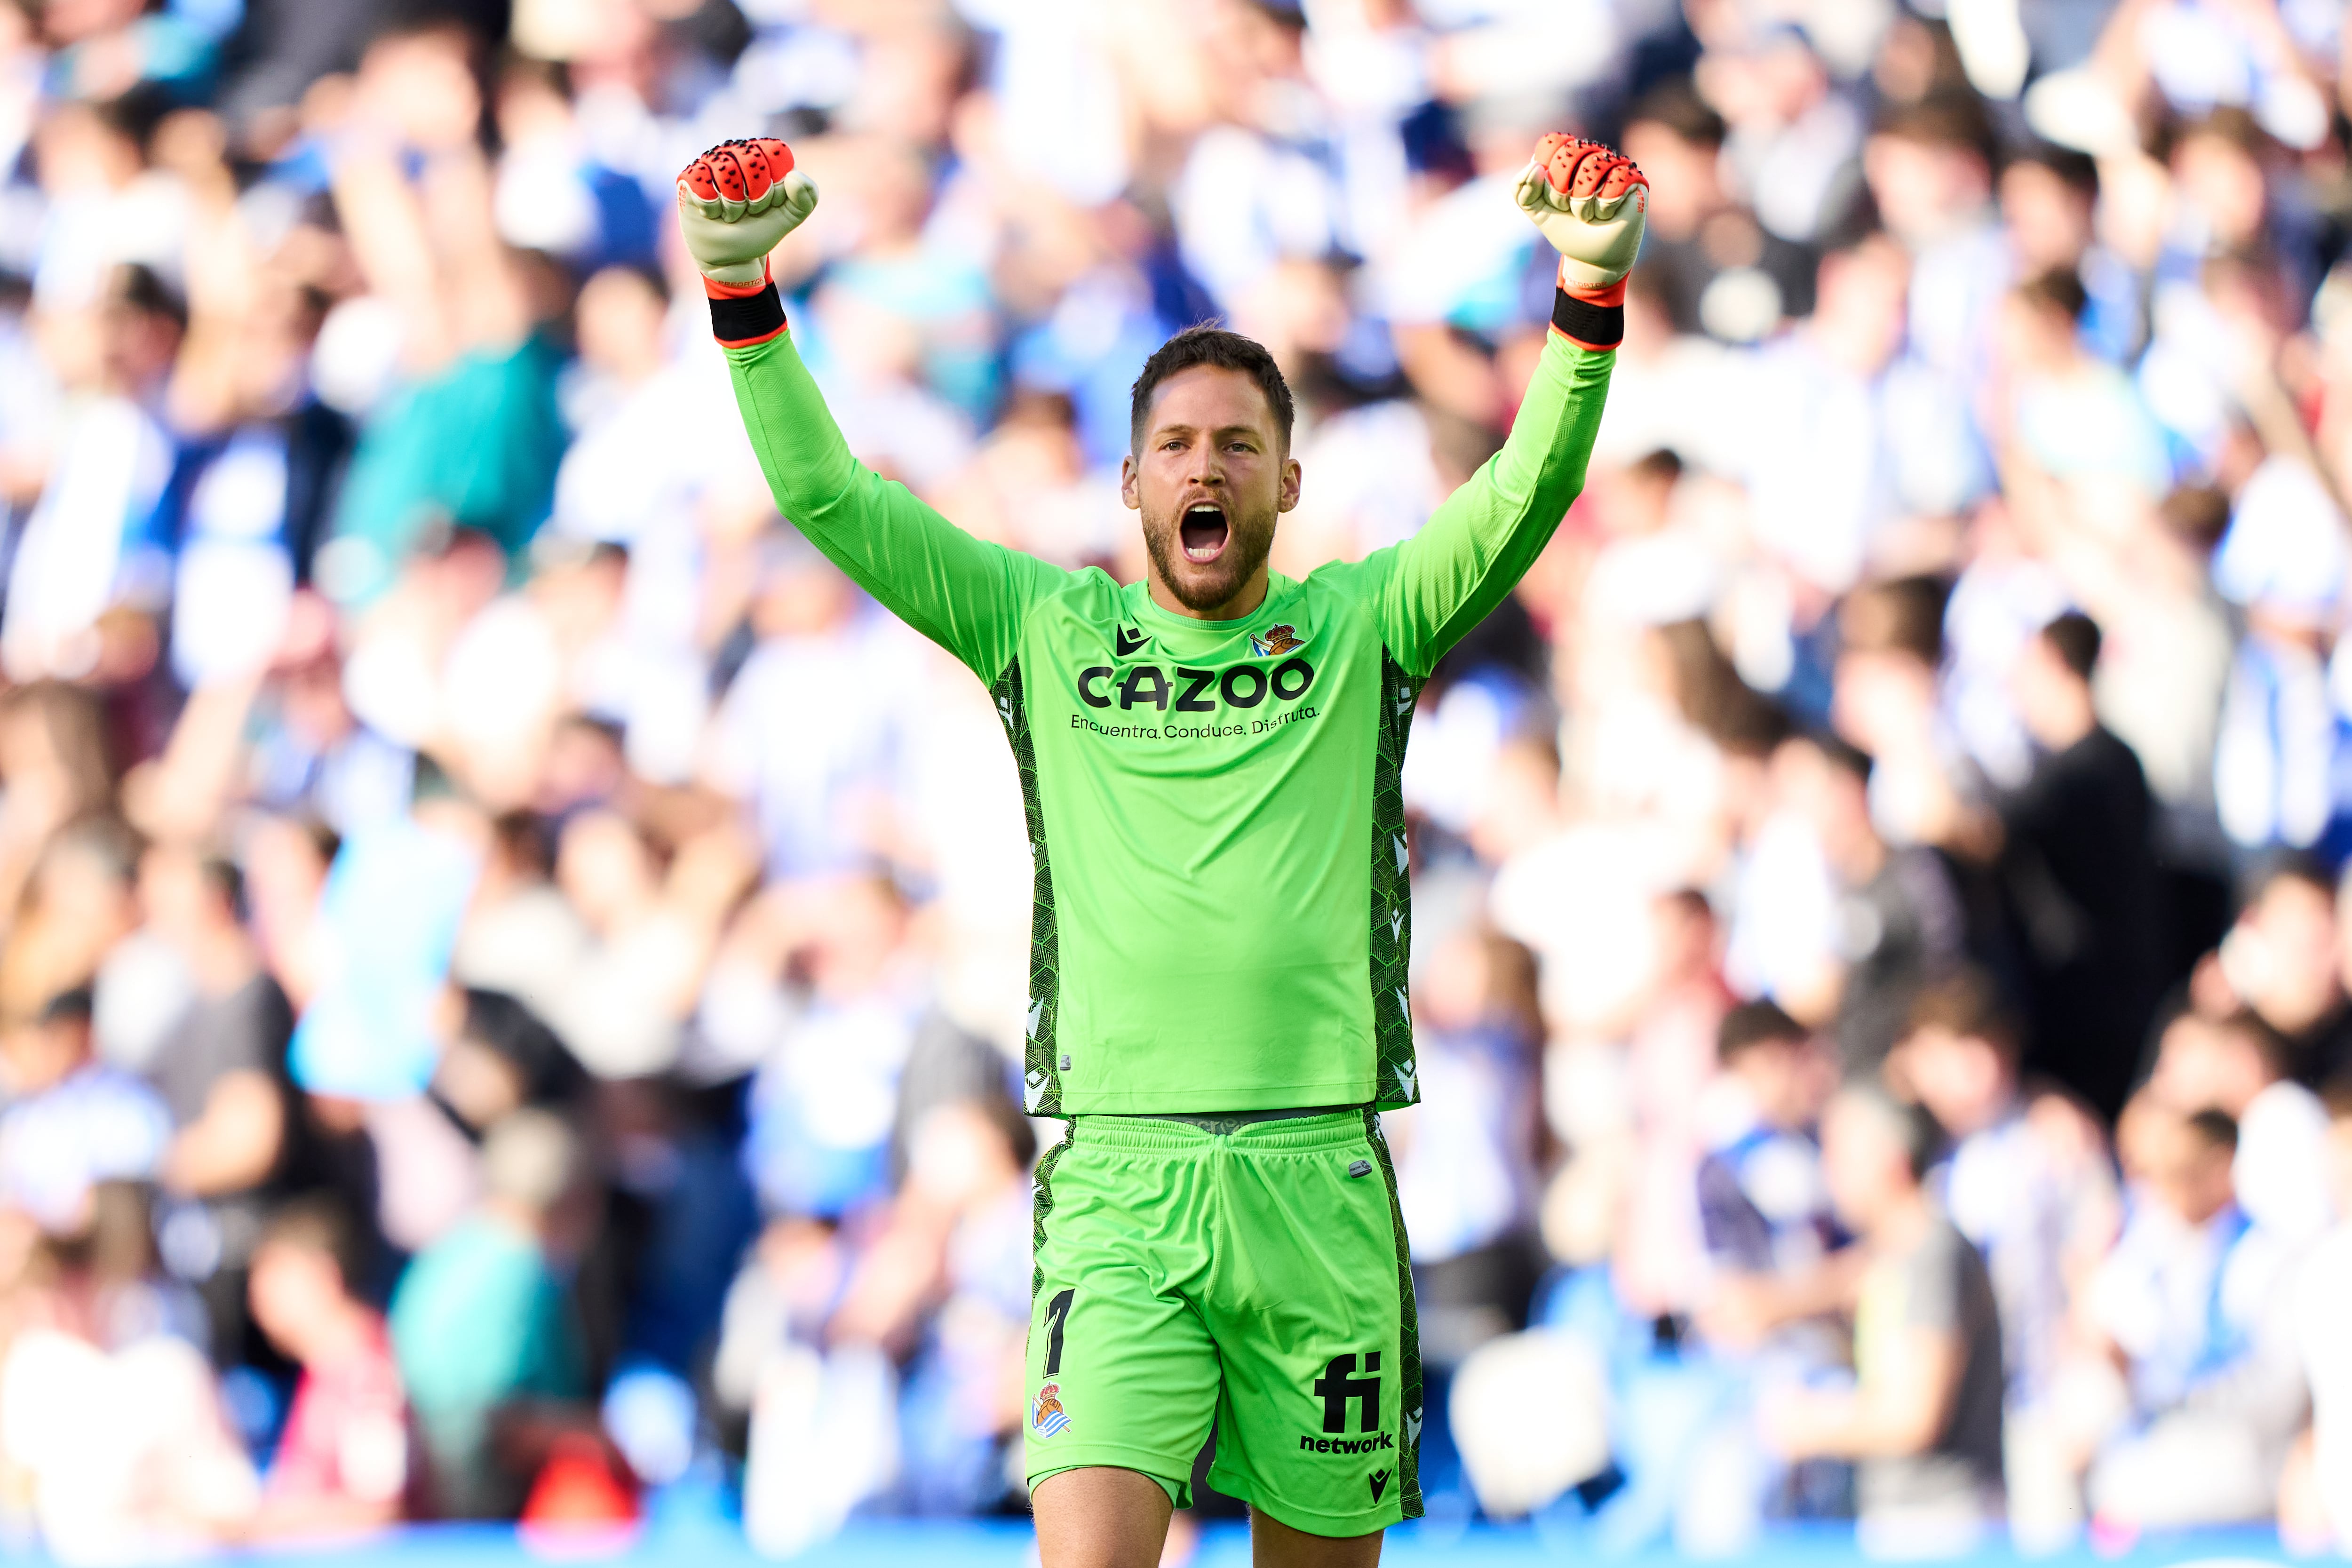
<point x="735" y="201"/>
<point x="1591" y="201"/>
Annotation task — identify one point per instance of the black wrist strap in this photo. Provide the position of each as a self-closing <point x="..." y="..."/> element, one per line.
<point x="1586" y="324"/>
<point x="738" y="323"/>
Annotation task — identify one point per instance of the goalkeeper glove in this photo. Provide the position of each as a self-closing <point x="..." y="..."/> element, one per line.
<point x="1591" y="201"/>
<point x="735" y="203"/>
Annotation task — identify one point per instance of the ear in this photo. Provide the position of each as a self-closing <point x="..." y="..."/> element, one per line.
<point x="1127" y="476"/>
<point x="1291" y="474"/>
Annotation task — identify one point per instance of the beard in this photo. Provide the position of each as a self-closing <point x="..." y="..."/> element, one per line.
<point x="1203" y="586"/>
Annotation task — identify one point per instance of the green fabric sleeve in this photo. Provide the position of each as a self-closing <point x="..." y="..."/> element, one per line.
<point x="964" y="593"/>
<point x="1482" y="538"/>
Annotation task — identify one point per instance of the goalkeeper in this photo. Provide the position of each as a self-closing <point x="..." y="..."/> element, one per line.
<point x="1209" y="760"/>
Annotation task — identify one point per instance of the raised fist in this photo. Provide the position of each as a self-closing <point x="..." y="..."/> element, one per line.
<point x="735" y="200"/>
<point x="1591" y="201"/>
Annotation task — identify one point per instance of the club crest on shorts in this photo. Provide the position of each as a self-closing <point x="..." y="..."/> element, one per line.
<point x="1275" y="641"/>
<point x="1046" y="1416"/>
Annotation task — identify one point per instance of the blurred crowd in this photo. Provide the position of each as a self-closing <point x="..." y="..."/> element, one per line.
<point x="510" y="967"/>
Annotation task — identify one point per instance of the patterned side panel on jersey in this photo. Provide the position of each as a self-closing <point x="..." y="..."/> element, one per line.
<point x="1040" y="1079"/>
<point x="1392" y="911"/>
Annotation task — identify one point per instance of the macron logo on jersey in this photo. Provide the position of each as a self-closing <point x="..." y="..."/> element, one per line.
<point x="1129" y="642"/>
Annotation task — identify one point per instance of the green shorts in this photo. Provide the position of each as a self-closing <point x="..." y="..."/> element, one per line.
<point x="1254" y="1274"/>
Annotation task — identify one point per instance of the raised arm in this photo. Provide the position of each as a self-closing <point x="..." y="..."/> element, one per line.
<point x="1590" y="202"/>
<point x="735" y="202"/>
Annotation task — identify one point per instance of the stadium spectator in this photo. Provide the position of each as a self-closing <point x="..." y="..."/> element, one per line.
<point x="479" y="1321"/>
<point x="2316" y="1491"/>
<point x="2237" y="1065"/>
<point x="2189" y="1298"/>
<point x="2027" y="1181"/>
<point x="220" y="1066"/>
<point x="2077" y="864"/>
<point x="346" y="1461"/>
<point x="1922" y="1421"/>
<point x="1763" y="1205"/>
<point x="72" y="1122"/>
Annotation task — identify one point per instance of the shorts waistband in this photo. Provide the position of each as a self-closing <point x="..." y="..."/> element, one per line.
<point x="1339" y="1127"/>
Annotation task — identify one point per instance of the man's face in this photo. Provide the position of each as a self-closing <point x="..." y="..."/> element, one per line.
<point x="1863" y="1164"/>
<point x="1961" y="1079"/>
<point x="41" y="1056"/>
<point x="1786" y="1079"/>
<point x="1211" y="478"/>
<point x="2185" y="1174"/>
<point x="2048" y="220"/>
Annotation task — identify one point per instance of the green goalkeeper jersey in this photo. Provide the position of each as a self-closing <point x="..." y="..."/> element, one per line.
<point x="1223" y="913"/>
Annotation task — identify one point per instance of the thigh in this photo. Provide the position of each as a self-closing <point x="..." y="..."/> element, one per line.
<point x="1312" y="1310"/>
<point x="1100" y="1517"/>
<point x="1274" y="1544"/>
<point x="1120" y="1368"/>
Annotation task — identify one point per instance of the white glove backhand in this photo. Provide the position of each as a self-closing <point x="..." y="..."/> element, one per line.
<point x="1591" y="201"/>
<point x="735" y="201"/>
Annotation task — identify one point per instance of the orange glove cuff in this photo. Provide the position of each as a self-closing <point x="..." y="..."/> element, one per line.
<point x="1592" y="319"/>
<point x="744" y="315"/>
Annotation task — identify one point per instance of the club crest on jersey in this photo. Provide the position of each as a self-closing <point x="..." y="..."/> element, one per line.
<point x="1275" y="641"/>
<point x="1046" y="1416"/>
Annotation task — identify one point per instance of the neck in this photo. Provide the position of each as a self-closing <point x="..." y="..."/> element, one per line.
<point x="2063" y="728"/>
<point x="340" y="1335"/>
<point x="1991" y="1112"/>
<point x="1900" y="1221"/>
<point x="1243" y="605"/>
<point x="223" y="960"/>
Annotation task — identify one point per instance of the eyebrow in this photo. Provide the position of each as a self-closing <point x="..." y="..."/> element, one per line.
<point x="1159" y="431"/>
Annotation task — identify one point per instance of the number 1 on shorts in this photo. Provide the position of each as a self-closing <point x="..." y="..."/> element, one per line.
<point x="1058" y="1315"/>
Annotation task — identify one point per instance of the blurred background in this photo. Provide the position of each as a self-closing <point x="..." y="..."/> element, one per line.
<point x="512" y="969"/>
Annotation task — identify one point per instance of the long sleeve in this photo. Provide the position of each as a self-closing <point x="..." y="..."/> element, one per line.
<point x="1481" y="541"/>
<point x="966" y="594"/>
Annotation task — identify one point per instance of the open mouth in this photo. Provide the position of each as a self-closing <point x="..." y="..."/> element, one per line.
<point x="1202" y="531"/>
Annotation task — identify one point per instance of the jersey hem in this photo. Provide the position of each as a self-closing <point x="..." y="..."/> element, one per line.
<point x="1347" y="1095"/>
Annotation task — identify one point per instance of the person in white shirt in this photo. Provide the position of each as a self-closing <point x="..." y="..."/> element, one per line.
<point x="2188" y="1301"/>
<point x="2316" y="1493"/>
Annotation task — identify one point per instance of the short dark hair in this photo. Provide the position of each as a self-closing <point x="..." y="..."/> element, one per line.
<point x="2335" y="1094"/>
<point x="1677" y="107"/>
<point x="2197" y="515"/>
<point x="2075" y="637"/>
<point x="317" y="1222"/>
<point x="2277" y="1051"/>
<point x="2214" y="1129"/>
<point x="1210" y="345"/>
<point x="223" y="878"/>
<point x="1753" y="1024"/>
<point x="77" y="1006"/>
<point x="1971" y="1005"/>
<point x="1843" y="755"/>
<point x="1903" y="615"/>
<point x="2059" y="290"/>
<point x="2287" y="866"/>
<point x="1915" y="1131"/>
<point x="2079" y="172"/>
<point x="1952" y="119"/>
